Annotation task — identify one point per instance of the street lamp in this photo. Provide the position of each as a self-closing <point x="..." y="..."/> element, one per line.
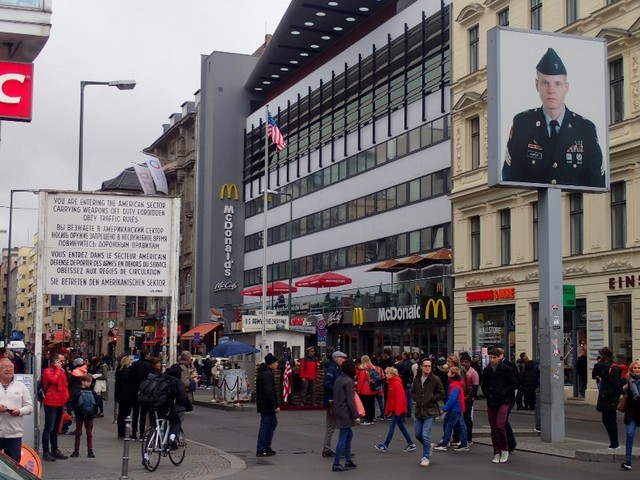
<point x="290" y="229"/>
<point x="7" y="316"/>
<point x="120" y="85"/>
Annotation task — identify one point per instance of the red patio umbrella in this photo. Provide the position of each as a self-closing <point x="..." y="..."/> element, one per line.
<point x="273" y="289"/>
<point x="323" y="280"/>
<point x="442" y="254"/>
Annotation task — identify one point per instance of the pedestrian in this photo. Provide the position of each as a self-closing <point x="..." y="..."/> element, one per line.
<point x="551" y="144"/>
<point x="472" y="380"/>
<point x="267" y="405"/>
<point x="581" y="369"/>
<point x="454" y="412"/>
<point x="380" y="396"/>
<point x="427" y="391"/>
<point x="15" y="403"/>
<point x="100" y="386"/>
<point x="609" y="390"/>
<point x="56" y="395"/>
<point x="331" y="374"/>
<point x="632" y="410"/>
<point x="366" y="393"/>
<point x="346" y="415"/>
<point x="511" y="439"/>
<point x="123" y="393"/>
<point x="140" y="369"/>
<point x="404" y="367"/>
<point x="499" y="383"/>
<point x="308" y="371"/>
<point x="396" y="409"/>
<point x="529" y="383"/>
<point x="85" y="403"/>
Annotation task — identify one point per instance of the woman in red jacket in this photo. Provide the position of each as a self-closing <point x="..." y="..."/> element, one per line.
<point x="56" y="396"/>
<point x="363" y="388"/>
<point x="396" y="407"/>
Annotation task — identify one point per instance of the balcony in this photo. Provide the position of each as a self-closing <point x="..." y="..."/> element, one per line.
<point x="25" y="26"/>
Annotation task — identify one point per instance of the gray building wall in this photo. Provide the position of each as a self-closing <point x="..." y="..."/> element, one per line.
<point x="223" y="109"/>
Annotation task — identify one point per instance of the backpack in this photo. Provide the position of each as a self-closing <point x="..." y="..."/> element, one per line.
<point x="155" y="392"/>
<point x="87" y="405"/>
<point x="375" y="381"/>
<point x="40" y="394"/>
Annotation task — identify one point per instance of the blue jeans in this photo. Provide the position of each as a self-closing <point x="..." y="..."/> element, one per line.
<point x="52" y="418"/>
<point x="423" y="428"/>
<point x="344" y="443"/>
<point x="380" y="401"/>
<point x="398" y="420"/>
<point x="453" y="419"/>
<point x="12" y="446"/>
<point x="409" y="395"/>
<point x="268" y="424"/>
<point x="631" y="432"/>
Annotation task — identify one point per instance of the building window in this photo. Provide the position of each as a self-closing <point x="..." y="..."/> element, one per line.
<point x="536" y="14"/>
<point x="618" y="215"/>
<point x="620" y="315"/>
<point x="534" y="216"/>
<point x="576" y="216"/>
<point x="505" y="236"/>
<point x="475" y="143"/>
<point x="475" y="242"/>
<point x="503" y="18"/>
<point x="474" y="39"/>
<point x="572" y="11"/>
<point x="616" y="90"/>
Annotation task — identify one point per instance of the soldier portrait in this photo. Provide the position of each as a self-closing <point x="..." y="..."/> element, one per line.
<point x="552" y="144"/>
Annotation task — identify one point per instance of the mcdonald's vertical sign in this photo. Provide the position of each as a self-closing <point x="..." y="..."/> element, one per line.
<point x="358" y="317"/>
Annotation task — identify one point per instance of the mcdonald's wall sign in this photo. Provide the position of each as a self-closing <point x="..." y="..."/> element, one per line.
<point x="230" y="191"/>
<point x="435" y="308"/>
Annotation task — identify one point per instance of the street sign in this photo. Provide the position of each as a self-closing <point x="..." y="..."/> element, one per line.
<point x="132" y="341"/>
<point x="569" y="296"/>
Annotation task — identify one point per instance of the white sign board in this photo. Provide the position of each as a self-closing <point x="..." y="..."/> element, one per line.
<point x="108" y="244"/>
<point x="253" y="323"/>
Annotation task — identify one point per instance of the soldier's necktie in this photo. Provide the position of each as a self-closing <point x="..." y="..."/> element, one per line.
<point x="553" y="125"/>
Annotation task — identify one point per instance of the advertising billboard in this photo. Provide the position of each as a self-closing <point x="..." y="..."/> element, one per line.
<point x="547" y="110"/>
<point x="16" y="91"/>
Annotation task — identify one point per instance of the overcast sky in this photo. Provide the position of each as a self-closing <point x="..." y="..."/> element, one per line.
<point x="158" y="43"/>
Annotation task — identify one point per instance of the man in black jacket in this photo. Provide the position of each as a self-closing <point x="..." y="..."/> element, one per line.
<point x="499" y="383"/>
<point x="178" y="404"/>
<point x="138" y="372"/>
<point x="609" y="381"/>
<point x="267" y="405"/>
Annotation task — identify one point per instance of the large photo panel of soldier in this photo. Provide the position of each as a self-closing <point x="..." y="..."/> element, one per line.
<point x="547" y="110"/>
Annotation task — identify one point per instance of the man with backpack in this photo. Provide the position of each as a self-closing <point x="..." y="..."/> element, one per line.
<point x="608" y="377"/>
<point x="139" y="372"/>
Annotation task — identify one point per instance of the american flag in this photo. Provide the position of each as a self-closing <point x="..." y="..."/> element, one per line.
<point x="274" y="133"/>
<point x="286" y="384"/>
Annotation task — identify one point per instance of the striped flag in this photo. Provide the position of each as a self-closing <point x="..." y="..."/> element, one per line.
<point x="274" y="132"/>
<point x="286" y="383"/>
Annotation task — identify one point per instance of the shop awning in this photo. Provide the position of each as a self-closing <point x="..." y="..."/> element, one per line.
<point x="202" y="329"/>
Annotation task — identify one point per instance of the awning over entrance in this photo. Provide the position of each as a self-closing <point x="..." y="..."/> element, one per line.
<point x="202" y="329"/>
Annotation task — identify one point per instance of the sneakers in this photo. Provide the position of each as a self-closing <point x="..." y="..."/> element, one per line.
<point x="496" y="458"/>
<point x="625" y="466"/>
<point x="409" y="448"/>
<point x="338" y="468"/>
<point x="504" y="456"/>
<point x="75" y="454"/>
<point x="382" y="418"/>
<point x="90" y="454"/>
<point x="381" y="447"/>
<point x="537" y="429"/>
<point x="455" y="444"/>
<point x="58" y="455"/>
<point x="47" y="457"/>
<point x="350" y="465"/>
<point x="328" y="454"/>
<point x="461" y="448"/>
<point x="366" y="423"/>
<point x="441" y="447"/>
<point x="424" y="462"/>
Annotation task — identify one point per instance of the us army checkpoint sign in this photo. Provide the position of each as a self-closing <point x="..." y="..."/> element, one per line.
<point x="108" y="244"/>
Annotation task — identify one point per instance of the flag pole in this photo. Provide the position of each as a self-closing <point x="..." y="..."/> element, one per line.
<point x="263" y="339"/>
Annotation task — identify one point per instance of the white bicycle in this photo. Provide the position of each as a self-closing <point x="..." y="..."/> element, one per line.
<point x="155" y="444"/>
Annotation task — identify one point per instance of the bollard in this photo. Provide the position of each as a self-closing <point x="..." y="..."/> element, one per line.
<point x="125" y="453"/>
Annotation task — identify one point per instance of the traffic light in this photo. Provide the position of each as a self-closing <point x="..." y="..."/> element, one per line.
<point x="114" y="340"/>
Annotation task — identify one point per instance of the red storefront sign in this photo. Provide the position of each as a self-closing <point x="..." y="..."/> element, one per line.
<point x="490" y="295"/>
<point x="16" y="91"/>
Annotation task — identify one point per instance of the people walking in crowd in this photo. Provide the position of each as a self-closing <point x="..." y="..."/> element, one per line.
<point x="632" y="410"/>
<point x="472" y="380"/>
<point x="454" y="409"/>
<point x="520" y="366"/>
<point x="267" y="405"/>
<point x="85" y="403"/>
<point x="499" y="383"/>
<point x="396" y="409"/>
<point x="404" y="370"/>
<point x="15" y="403"/>
<point x="346" y="415"/>
<point x="529" y="384"/>
<point x="366" y="393"/>
<point x="139" y="372"/>
<point x="101" y="387"/>
<point x="511" y="439"/>
<point x="123" y="393"/>
<point x="427" y="391"/>
<point x="609" y="380"/>
<point x="581" y="369"/>
<point x="56" y="391"/>
<point x="308" y="371"/>
<point x="331" y="374"/>
<point x="380" y="396"/>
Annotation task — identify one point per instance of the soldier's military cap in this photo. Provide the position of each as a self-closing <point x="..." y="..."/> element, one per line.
<point x="551" y="64"/>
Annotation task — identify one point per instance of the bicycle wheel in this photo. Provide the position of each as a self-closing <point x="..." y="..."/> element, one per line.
<point x="151" y="449"/>
<point x="177" y="456"/>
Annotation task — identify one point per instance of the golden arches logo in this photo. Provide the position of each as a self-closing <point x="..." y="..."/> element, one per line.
<point x="435" y="305"/>
<point x="358" y="317"/>
<point x="229" y="190"/>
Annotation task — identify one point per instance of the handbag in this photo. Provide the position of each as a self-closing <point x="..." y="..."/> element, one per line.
<point x="622" y="404"/>
<point x="359" y="405"/>
<point x="100" y="386"/>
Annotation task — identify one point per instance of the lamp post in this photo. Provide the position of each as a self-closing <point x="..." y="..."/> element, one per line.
<point x="120" y="85"/>
<point x="7" y="316"/>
